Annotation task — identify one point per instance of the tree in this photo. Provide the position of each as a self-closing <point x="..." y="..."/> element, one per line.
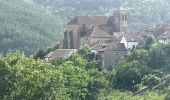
<point x="76" y="80"/>
<point x="26" y="78"/>
<point x="97" y="84"/>
<point x="157" y="57"/>
<point x="150" y="80"/>
<point x="129" y="74"/>
<point x="140" y="55"/>
<point x="150" y="40"/>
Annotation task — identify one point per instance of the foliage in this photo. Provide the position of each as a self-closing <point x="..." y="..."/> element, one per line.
<point x="150" y="80"/>
<point x="42" y="53"/>
<point x="150" y="40"/>
<point x="76" y="80"/>
<point x="142" y="13"/>
<point x="157" y="56"/>
<point x="129" y="74"/>
<point x="27" y="27"/>
<point x="26" y="78"/>
<point x="117" y="95"/>
<point x="80" y="77"/>
<point x="97" y="83"/>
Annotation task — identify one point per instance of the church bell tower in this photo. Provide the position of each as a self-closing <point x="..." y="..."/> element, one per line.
<point x="120" y="20"/>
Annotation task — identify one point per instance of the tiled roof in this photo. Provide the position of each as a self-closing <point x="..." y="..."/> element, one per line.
<point x="117" y="47"/>
<point x="99" y="47"/>
<point x="85" y="41"/>
<point x="97" y="33"/>
<point x="165" y="35"/>
<point x="60" y="53"/>
<point x="158" y="29"/>
<point x="132" y="37"/>
<point x="89" y="20"/>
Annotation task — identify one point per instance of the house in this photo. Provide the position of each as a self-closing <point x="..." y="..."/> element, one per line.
<point x="132" y="40"/>
<point x="164" y="38"/>
<point x="60" y="54"/>
<point x="114" y="53"/>
<point x="107" y="36"/>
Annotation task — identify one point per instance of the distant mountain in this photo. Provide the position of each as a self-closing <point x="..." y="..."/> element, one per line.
<point x="27" y="27"/>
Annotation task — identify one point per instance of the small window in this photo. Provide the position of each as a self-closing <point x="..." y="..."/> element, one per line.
<point x="165" y="40"/>
<point x="117" y="53"/>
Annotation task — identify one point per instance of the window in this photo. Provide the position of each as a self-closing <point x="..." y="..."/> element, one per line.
<point x="134" y="47"/>
<point x="117" y="53"/>
<point x="165" y="40"/>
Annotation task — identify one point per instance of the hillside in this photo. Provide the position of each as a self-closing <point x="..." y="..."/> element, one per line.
<point x="30" y="25"/>
<point x="27" y="27"/>
<point x="143" y="13"/>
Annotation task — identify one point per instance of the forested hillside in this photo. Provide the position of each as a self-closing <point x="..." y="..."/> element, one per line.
<point x="30" y="25"/>
<point x="27" y="27"/>
<point x="143" y="13"/>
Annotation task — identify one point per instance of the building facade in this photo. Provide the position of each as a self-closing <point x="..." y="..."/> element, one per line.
<point x="108" y="36"/>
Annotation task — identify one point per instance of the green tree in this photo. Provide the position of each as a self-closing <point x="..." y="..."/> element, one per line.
<point x="97" y="84"/>
<point x="150" y="80"/>
<point x="150" y="40"/>
<point x="76" y="80"/>
<point x="157" y="57"/>
<point x="29" y="79"/>
<point x="129" y="74"/>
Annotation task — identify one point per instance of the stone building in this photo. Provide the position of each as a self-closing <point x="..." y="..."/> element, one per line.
<point x="114" y="53"/>
<point x="99" y="27"/>
<point x="108" y="36"/>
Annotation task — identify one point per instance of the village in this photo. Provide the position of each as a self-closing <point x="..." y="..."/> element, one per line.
<point x="108" y="36"/>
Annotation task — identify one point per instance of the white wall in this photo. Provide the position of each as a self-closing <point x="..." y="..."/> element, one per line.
<point x="164" y="41"/>
<point x="131" y="44"/>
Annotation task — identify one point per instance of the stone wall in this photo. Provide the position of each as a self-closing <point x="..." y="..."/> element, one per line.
<point x="111" y="58"/>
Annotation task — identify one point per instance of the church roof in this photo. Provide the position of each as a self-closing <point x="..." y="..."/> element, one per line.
<point x="97" y="33"/>
<point x="89" y="20"/>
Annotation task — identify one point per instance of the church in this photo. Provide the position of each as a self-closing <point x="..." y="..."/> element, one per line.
<point x="107" y="36"/>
